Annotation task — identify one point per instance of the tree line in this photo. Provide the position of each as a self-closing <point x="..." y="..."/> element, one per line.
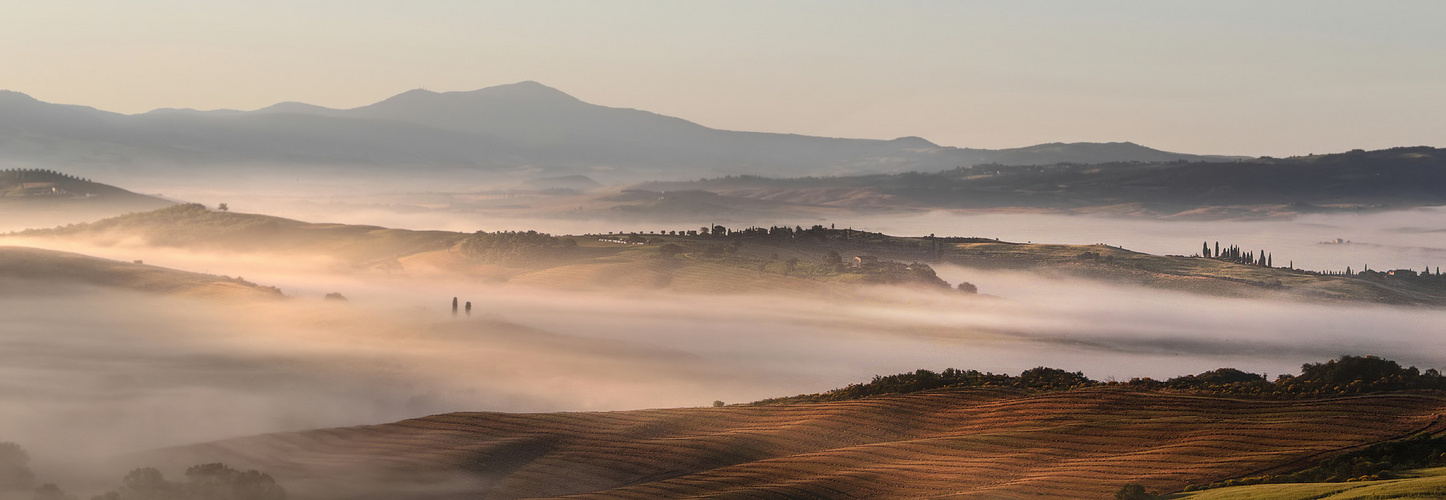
<point x="212" y="481"/>
<point x="1347" y="375"/>
<point x="515" y="246"/>
<point x="24" y="174"/>
<point x="1233" y="253"/>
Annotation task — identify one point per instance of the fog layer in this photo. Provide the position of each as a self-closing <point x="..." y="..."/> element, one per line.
<point x="93" y="373"/>
<point x="1412" y="239"/>
<point x="97" y="372"/>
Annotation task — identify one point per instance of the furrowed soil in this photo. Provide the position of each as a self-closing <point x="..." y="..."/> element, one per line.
<point x="966" y="443"/>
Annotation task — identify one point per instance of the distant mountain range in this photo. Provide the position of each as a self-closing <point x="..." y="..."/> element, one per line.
<point x="524" y="127"/>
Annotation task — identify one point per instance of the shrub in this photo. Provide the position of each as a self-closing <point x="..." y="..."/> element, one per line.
<point x="1134" y="491"/>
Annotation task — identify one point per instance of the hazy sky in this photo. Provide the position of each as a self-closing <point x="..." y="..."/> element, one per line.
<point x="1261" y="78"/>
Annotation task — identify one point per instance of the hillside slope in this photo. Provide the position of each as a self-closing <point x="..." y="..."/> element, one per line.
<point x="1396" y="177"/>
<point x="25" y="268"/>
<point x="196" y="227"/>
<point x="751" y="259"/>
<point x="41" y="198"/>
<point x="976" y="443"/>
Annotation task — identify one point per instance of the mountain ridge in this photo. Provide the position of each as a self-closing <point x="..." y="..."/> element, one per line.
<point x="521" y="127"/>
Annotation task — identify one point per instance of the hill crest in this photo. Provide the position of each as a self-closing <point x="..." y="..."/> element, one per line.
<point x="508" y="128"/>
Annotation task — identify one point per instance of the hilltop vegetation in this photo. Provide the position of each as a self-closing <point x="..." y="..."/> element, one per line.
<point x="1346" y="376"/>
<point x="516" y="248"/>
<point x="37" y="185"/>
<point x="39" y="198"/>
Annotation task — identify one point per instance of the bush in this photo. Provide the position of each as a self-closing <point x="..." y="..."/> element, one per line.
<point x="1134" y="491"/>
<point x="15" y="471"/>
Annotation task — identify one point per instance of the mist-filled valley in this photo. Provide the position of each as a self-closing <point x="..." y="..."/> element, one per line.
<point x="644" y="250"/>
<point x="101" y="372"/>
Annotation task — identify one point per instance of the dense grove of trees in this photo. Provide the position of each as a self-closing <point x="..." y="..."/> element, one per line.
<point x="720" y="244"/>
<point x="1041" y="378"/>
<point x="213" y="481"/>
<point x="1346" y="375"/>
<point x="816" y="232"/>
<point x="203" y="482"/>
<point x="515" y="246"/>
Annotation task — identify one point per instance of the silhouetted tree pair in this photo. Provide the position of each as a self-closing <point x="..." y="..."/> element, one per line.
<point x="454" y="307"/>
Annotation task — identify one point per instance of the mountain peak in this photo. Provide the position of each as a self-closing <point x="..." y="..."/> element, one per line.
<point x="295" y="107"/>
<point x="914" y="141"/>
<point x="11" y="95"/>
<point x="528" y="90"/>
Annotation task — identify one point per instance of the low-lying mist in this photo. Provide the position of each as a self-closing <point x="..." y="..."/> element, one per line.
<point x="92" y="373"/>
<point x="1384" y="240"/>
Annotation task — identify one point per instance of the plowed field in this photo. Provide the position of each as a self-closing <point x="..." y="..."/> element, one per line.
<point x="945" y="444"/>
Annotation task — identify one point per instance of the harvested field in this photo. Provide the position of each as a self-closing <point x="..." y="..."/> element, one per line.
<point x="974" y="443"/>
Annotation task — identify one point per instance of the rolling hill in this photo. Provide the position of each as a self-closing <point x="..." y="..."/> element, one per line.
<point x="197" y="227"/>
<point x="750" y="259"/>
<point x="1355" y="180"/>
<point x="525" y="127"/>
<point x="43" y="198"/>
<point x="955" y="443"/>
<point x="23" y="268"/>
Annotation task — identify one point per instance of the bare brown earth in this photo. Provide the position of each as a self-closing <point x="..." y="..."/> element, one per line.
<point x="968" y="443"/>
<point x="33" y="265"/>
